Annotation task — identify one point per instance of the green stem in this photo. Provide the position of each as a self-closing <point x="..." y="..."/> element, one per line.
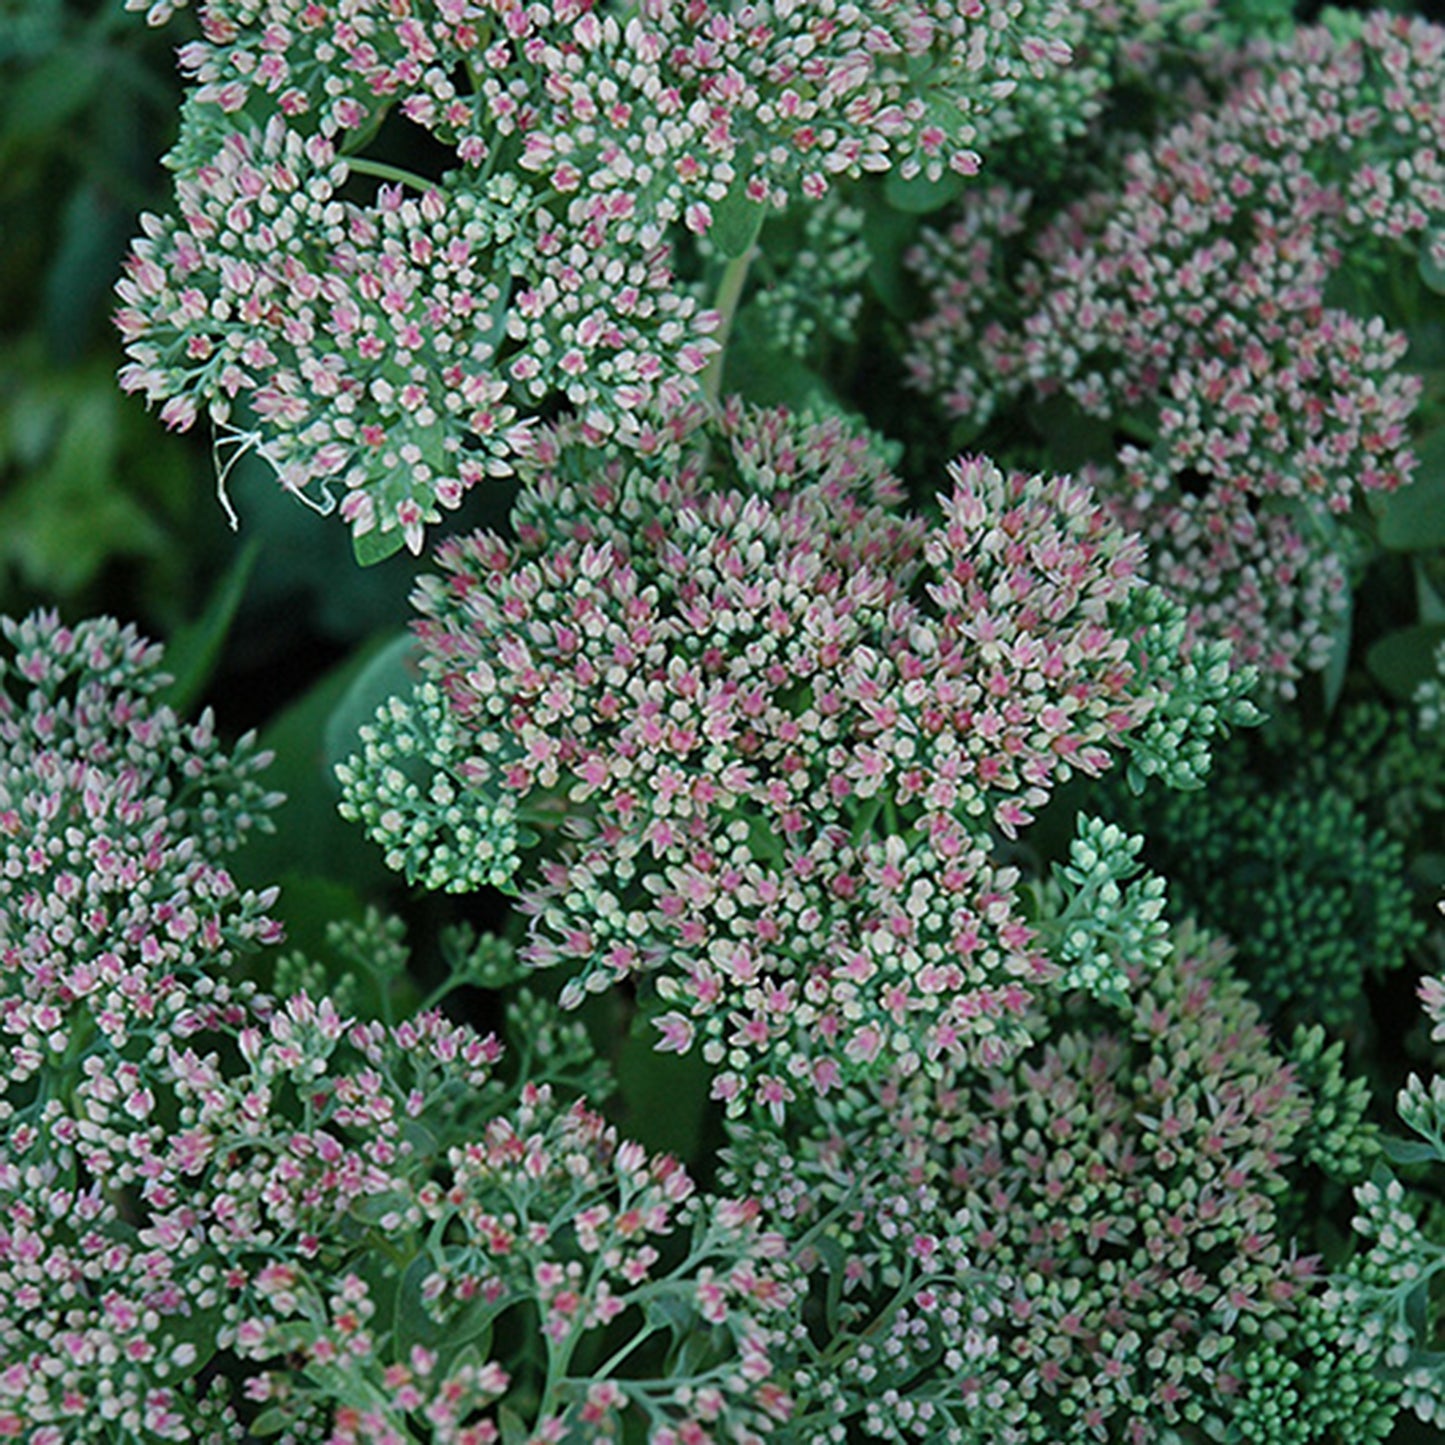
<point x="439" y="993"/>
<point x="604" y="1371"/>
<point x="360" y="166"/>
<point x="559" y="1357"/>
<point x="725" y="303"/>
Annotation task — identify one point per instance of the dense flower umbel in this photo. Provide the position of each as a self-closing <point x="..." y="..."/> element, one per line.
<point x="189" y="1167"/>
<point x="896" y="1304"/>
<point x="634" y="500"/>
<point x="1153" y="1163"/>
<point x="731" y="700"/>
<point x="1114" y="1193"/>
<point x="113" y="817"/>
<point x="118" y="923"/>
<point x="378" y="350"/>
<point x="386" y="351"/>
<point x="1188" y="306"/>
<point x="546" y="1210"/>
<point x="766" y="98"/>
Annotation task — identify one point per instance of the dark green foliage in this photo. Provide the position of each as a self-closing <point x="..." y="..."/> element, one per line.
<point x="1311" y="888"/>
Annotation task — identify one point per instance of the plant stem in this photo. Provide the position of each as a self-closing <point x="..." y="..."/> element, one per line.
<point x="890" y="815"/>
<point x="359" y="165"/>
<point x="441" y="991"/>
<point x="729" y="293"/>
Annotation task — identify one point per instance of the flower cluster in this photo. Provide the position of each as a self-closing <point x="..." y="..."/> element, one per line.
<point x="899" y="1307"/>
<point x="113" y="817"/>
<point x="1157" y="1157"/>
<point x="1313" y="1385"/>
<point x="377" y="355"/>
<point x="1088" y="1243"/>
<point x="118" y="924"/>
<point x="1319" y="845"/>
<point x="1187" y="305"/>
<point x="731" y="705"/>
<point x="391" y="353"/>
<point x="194" y="1171"/>
<point x="634" y="500"/>
<point x="1110" y="42"/>
<point x="546" y="1209"/>
<point x="869" y="831"/>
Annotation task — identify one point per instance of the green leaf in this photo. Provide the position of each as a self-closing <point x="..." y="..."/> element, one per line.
<point x="1428" y="601"/>
<point x="737" y="218"/>
<point x="665" y="1095"/>
<point x="93" y="233"/>
<point x="415" y="1325"/>
<point x="1432" y="259"/>
<point x="311" y="837"/>
<point x="1401" y="661"/>
<point x="51" y="94"/>
<point x="890" y="233"/>
<point x="1413" y="519"/>
<point x="376" y="546"/>
<point x="199" y="1329"/>
<point x="313" y="569"/>
<point x="271" y="1421"/>
<point x="308" y="905"/>
<point x="1428" y="869"/>
<point x="70" y="514"/>
<point x="373" y="1208"/>
<point x="919" y="196"/>
<point x="1338" y="666"/>
<point x="670" y="1312"/>
<point x="390" y="673"/>
<point x="1409" y="1151"/>
<point x="192" y="654"/>
<point x="1071" y="435"/>
<point x="766" y="376"/>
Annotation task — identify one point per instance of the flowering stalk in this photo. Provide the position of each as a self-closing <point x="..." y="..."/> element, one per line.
<point x="729" y="293"/>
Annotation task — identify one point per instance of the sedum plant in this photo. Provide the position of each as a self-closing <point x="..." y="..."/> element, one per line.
<point x="878" y="897"/>
<point x="1189" y="300"/>
<point x="373" y="1234"/>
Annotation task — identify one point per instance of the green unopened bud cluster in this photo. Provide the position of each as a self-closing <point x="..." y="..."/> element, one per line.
<point x="1329" y="902"/>
<point x="1340" y="1140"/>
<point x="1206" y="696"/>
<point x="1102" y="924"/>
<point x="814" y="295"/>
<point x="407" y="787"/>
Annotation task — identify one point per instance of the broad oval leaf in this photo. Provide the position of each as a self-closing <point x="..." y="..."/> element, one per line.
<point x="1401" y="661"/>
<point x="737" y="218"/>
<point x="1413" y="519"/>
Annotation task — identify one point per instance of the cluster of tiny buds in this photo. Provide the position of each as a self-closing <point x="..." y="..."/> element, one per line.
<point x="1260" y="410"/>
<point x="1117" y="1194"/>
<point x="734" y="694"/>
<point x="190" y="1166"/>
<point x="383" y="357"/>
